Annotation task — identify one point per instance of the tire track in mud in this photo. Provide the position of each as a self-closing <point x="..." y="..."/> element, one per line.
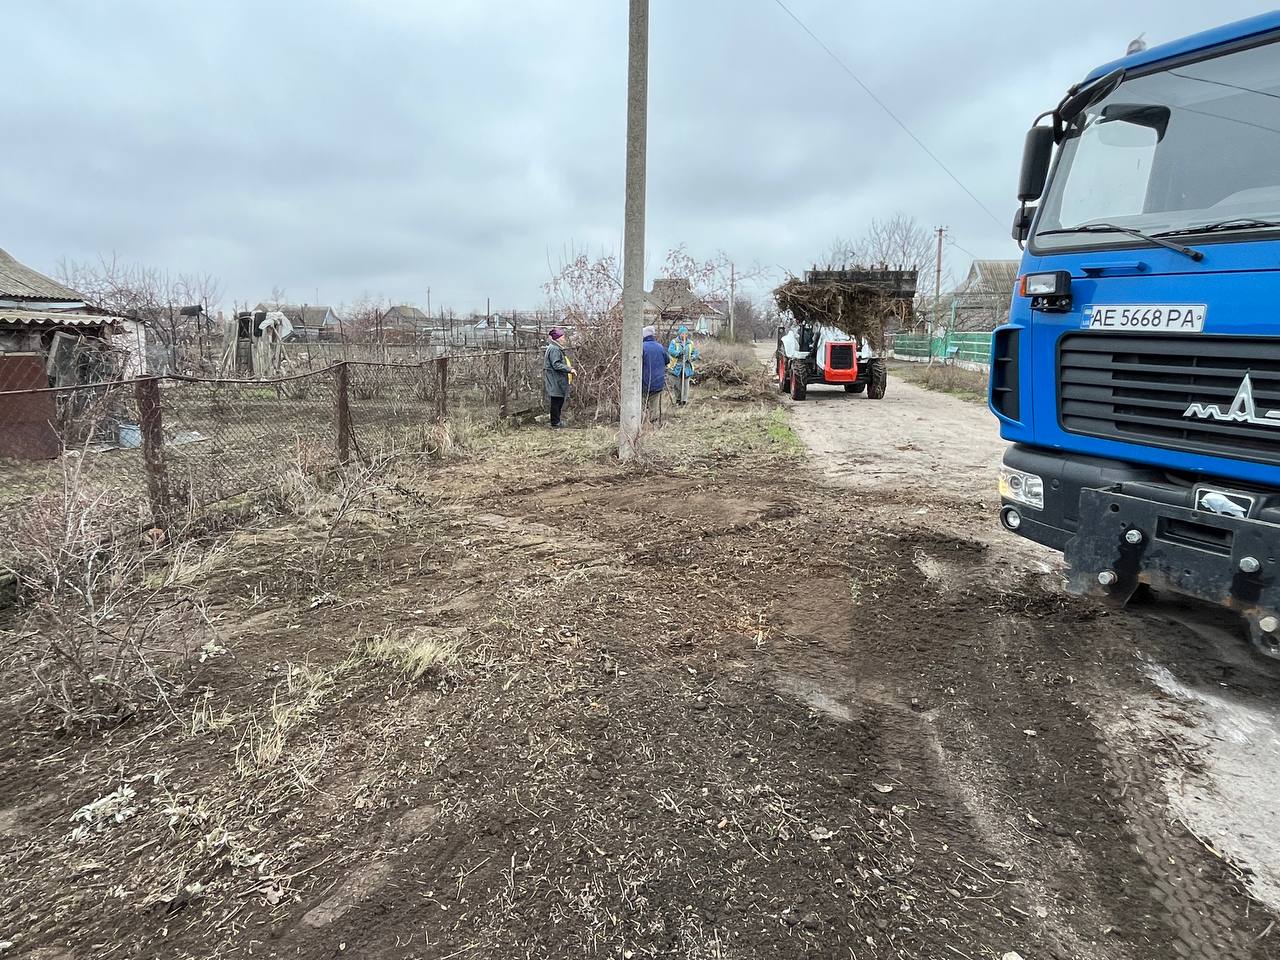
<point x="1008" y="705"/>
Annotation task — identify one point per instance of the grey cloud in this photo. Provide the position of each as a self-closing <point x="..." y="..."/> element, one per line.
<point x="381" y="147"/>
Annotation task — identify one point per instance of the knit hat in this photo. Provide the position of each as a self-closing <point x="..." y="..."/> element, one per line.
<point x="650" y="332"/>
<point x="683" y="329"/>
<point x="557" y="333"/>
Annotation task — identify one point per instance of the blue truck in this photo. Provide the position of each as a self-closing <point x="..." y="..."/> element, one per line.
<point x="1138" y="376"/>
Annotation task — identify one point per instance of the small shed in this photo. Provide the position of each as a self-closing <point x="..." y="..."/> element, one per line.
<point x="50" y="337"/>
<point x="43" y="318"/>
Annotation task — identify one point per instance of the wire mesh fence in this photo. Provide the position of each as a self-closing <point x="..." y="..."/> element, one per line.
<point x="162" y="450"/>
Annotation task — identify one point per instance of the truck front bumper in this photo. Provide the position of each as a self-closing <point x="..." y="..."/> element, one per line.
<point x="1120" y="527"/>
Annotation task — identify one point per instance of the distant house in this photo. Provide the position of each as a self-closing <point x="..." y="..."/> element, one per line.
<point x="672" y="302"/>
<point x="405" y="320"/>
<point x="981" y="302"/>
<point x="309" y="322"/>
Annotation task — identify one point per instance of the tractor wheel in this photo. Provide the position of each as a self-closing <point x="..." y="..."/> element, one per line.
<point x="854" y="387"/>
<point x="798" y="385"/>
<point x="783" y="386"/>
<point x="877" y="379"/>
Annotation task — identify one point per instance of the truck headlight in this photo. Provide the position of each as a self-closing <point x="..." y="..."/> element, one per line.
<point x="1024" y="488"/>
<point x="1056" y="284"/>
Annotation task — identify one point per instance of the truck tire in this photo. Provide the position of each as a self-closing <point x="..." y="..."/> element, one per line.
<point x="798" y="386"/>
<point x="877" y="379"/>
<point x="854" y="387"/>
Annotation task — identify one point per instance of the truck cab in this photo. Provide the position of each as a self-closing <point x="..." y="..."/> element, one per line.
<point x="1138" y="376"/>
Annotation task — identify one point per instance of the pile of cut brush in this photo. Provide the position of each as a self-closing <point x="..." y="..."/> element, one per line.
<point x="860" y="301"/>
<point x="722" y="371"/>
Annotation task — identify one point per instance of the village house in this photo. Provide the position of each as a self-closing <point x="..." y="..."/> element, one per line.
<point x="981" y="302"/>
<point x="308" y="322"/>
<point x="404" y="320"/>
<point x="672" y="302"/>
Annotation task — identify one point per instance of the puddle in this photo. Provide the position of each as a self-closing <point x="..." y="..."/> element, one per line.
<point x="1232" y="803"/>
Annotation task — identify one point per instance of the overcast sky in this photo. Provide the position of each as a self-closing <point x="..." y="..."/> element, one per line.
<point x="336" y="148"/>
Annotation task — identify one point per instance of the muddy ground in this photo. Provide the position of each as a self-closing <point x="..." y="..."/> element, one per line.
<point x="762" y="697"/>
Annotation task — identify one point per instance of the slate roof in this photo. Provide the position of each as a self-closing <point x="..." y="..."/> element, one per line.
<point x="20" y="282"/>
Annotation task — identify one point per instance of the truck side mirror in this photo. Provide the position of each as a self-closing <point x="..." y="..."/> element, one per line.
<point x="1022" y="223"/>
<point x="1036" y="153"/>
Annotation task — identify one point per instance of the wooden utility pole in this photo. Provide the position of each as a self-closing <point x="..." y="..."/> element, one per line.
<point x="633" y="231"/>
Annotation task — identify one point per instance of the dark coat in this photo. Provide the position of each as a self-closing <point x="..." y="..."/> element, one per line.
<point x="555" y="371"/>
<point x="653" y="375"/>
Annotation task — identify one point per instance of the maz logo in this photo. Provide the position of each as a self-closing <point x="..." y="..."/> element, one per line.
<point x="1242" y="409"/>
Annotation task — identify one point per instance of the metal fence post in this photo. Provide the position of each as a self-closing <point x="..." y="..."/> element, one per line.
<point x="344" y="414"/>
<point x="146" y="393"/>
<point x="503" y="399"/>
<point x="442" y="366"/>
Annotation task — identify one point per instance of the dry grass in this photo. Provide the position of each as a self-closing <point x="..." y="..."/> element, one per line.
<point x="412" y="653"/>
<point x="946" y="378"/>
<point x="295" y="700"/>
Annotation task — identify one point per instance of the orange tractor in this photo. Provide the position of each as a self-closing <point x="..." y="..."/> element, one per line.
<point x="837" y="329"/>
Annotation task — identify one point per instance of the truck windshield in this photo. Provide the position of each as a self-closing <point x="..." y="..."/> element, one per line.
<point x="1187" y="149"/>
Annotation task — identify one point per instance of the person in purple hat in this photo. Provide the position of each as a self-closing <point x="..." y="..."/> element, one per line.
<point x="557" y="373"/>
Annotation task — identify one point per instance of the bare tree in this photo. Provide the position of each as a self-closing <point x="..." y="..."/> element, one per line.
<point x="152" y="296"/>
<point x="841" y="254"/>
<point x="753" y="320"/>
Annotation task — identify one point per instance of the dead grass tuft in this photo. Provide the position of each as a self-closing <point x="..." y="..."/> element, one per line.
<point x="414" y="654"/>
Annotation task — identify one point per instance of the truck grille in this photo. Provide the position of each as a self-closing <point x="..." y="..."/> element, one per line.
<point x="1137" y="388"/>
<point x="840" y="356"/>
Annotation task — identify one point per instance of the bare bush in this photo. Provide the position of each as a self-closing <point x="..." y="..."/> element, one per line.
<point x="329" y="499"/>
<point x="156" y="298"/>
<point x="103" y="631"/>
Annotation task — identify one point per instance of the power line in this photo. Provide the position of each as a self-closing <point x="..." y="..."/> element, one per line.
<point x="883" y="106"/>
<point x="962" y="249"/>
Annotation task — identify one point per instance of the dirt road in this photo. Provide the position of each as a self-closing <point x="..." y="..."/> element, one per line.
<point x="1186" y="717"/>
<point x="532" y="703"/>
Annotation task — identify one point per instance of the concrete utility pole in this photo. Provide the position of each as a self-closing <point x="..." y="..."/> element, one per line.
<point x="937" y="269"/>
<point x="937" y="293"/>
<point x="633" y="232"/>
<point x="732" y="338"/>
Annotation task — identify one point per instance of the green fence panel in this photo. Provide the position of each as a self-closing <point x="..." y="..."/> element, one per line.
<point x="972" y="347"/>
<point x="911" y="346"/>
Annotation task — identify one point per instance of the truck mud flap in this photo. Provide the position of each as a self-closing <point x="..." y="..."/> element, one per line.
<point x="1123" y="542"/>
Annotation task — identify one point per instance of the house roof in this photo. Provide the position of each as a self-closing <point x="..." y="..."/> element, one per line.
<point x="674" y="295"/>
<point x="990" y="278"/>
<point x="406" y="312"/>
<point x="19" y="281"/>
<point x="300" y="316"/>
<point x="53" y="318"/>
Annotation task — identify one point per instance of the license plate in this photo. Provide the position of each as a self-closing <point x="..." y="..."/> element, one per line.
<point x="1225" y="503"/>
<point x="1146" y="317"/>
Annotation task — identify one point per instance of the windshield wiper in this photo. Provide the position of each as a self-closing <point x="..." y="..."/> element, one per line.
<point x="1116" y="228"/>
<point x="1221" y="226"/>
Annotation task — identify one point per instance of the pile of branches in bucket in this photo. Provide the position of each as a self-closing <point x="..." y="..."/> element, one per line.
<point x="860" y="302"/>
